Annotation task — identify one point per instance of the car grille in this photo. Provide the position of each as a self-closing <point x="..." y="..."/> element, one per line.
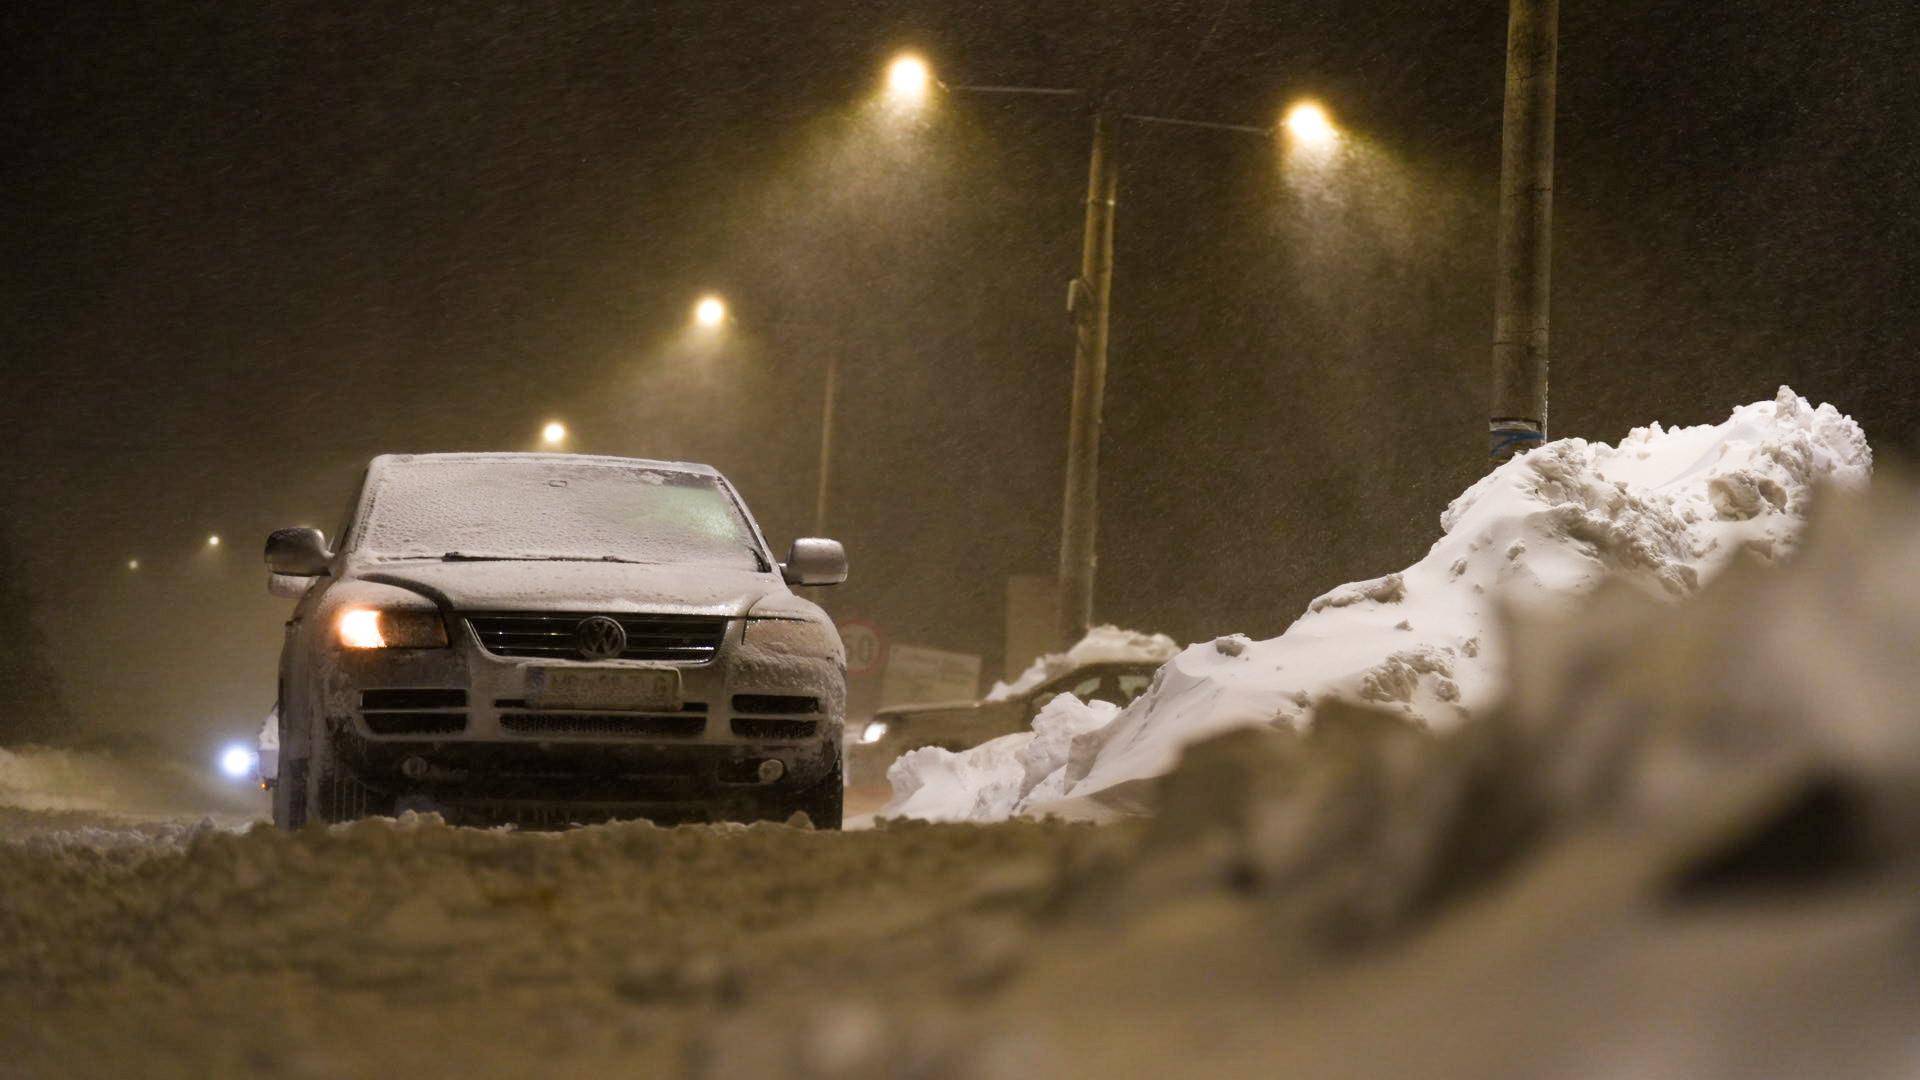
<point x="414" y="711"/>
<point x="762" y="727"/>
<point x="688" y="639"/>
<point x="682" y="726"/>
<point x="775" y="704"/>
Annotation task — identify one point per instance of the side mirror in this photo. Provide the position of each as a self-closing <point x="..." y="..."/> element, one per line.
<point x="812" y="561"/>
<point x="288" y="587"/>
<point x="298" y="552"/>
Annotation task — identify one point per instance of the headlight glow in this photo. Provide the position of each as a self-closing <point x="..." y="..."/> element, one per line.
<point x="236" y="761"/>
<point x="366" y="628"/>
<point x="360" y="629"/>
<point x="874" y="732"/>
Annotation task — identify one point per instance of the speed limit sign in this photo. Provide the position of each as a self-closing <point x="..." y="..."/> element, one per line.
<point x="863" y="646"/>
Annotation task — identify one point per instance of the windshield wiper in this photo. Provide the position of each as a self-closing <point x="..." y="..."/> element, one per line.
<point x="461" y="556"/>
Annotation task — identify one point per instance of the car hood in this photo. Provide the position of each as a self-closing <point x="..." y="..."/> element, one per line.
<point x="589" y="586"/>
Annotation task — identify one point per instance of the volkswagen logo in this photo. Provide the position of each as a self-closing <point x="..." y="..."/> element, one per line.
<point x="599" y="638"/>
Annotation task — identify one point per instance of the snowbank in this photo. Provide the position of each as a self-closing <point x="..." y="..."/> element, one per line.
<point x="1664" y="511"/>
<point x="1103" y="644"/>
<point x="935" y="785"/>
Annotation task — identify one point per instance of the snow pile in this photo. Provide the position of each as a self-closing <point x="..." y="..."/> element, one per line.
<point x="1663" y="511"/>
<point x="1103" y="644"/>
<point x="935" y="785"/>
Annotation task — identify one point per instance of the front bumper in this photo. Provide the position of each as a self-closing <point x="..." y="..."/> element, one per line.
<point x="454" y="729"/>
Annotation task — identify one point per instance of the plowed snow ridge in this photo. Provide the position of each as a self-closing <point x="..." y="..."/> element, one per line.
<point x="1666" y="510"/>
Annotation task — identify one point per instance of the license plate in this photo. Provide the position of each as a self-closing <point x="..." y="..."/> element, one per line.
<point x="625" y="688"/>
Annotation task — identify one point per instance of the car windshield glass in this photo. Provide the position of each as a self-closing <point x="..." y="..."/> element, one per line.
<point x="482" y="510"/>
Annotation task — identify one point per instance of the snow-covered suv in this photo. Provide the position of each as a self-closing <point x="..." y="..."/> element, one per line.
<point x="547" y="639"/>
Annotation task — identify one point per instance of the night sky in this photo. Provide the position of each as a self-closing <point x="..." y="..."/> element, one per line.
<point x="250" y="245"/>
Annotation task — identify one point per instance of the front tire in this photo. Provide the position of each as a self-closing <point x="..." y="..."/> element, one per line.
<point x="339" y="795"/>
<point x="824" y="801"/>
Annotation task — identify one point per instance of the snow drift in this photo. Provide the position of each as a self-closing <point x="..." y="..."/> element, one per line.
<point x="1103" y="644"/>
<point x="1665" y="511"/>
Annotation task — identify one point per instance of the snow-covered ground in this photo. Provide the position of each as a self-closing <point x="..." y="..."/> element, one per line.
<point x="1664" y="511"/>
<point x="1683" y="844"/>
<point x="410" y="948"/>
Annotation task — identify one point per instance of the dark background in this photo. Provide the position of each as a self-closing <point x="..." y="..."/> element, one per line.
<point x="250" y="245"/>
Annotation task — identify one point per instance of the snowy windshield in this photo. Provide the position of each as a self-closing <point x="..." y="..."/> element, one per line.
<point x="554" y="510"/>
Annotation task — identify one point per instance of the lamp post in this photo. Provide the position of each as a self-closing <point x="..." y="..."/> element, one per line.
<point x="1517" y="417"/>
<point x="1089" y="302"/>
<point x="710" y="315"/>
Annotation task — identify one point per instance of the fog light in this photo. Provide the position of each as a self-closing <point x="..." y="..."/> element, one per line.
<point x="771" y="769"/>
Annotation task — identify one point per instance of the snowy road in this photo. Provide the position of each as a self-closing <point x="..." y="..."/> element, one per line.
<point x="155" y="944"/>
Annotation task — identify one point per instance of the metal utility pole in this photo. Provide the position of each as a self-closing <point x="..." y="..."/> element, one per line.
<point x="1518" y="414"/>
<point x="1089" y="298"/>
<point x="826" y="438"/>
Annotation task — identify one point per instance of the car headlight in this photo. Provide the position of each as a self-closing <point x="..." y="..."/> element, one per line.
<point x="874" y="732"/>
<point x="367" y="628"/>
<point x="800" y="637"/>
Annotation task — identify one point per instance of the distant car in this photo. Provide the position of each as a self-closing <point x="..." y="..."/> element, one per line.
<point x="966" y="724"/>
<point x="547" y="639"/>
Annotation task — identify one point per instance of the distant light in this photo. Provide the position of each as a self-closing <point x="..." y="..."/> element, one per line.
<point x="554" y="433"/>
<point x="1309" y="123"/>
<point x="874" y="732"/>
<point x="237" y="761"/>
<point x="133" y="564"/>
<point x="908" y="78"/>
<point x="711" y="311"/>
<point x="213" y="541"/>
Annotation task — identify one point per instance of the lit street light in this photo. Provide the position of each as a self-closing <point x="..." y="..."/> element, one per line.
<point x="554" y="433"/>
<point x="213" y="541"/>
<point x="710" y="311"/>
<point x="908" y="79"/>
<point x="1308" y="123"/>
<point x="133" y="564"/>
<point x="1089" y="300"/>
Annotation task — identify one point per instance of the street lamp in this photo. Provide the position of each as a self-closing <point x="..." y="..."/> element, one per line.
<point x="1308" y="123"/>
<point x="1089" y="301"/>
<point x="554" y="433"/>
<point x="213" y="541"/>
<point x="709" y="311"/>
<point x="908" y="80"/>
